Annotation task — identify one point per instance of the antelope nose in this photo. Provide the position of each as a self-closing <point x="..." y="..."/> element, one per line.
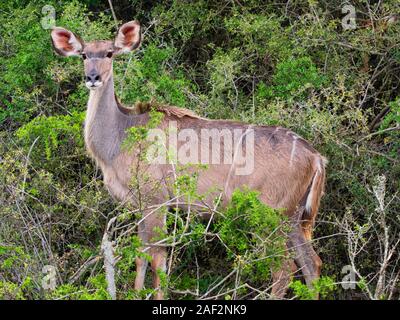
<point x="93" y="77"/>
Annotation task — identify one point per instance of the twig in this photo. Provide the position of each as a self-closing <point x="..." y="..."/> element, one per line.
<point x="379" y="132"/>
<point x="82" y="269"/>
<point x="113" y="13"/>
<point x="377" y="119"/>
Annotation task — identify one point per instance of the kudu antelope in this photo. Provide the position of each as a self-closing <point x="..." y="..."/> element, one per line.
<point x="288" y="172"/>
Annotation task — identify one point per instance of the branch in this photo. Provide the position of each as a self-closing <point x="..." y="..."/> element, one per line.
<point x="113" y="13"/>
<point x="109" y="263"/>
<point x="379" y="132"/>
<point x="82" y="269"/>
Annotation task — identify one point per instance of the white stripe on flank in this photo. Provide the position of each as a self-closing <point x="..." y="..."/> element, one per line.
<point x="310" y="195"/>
<point x="293" y="150"/>
<point x="239" y="144"/>
<point x="309" y="198"/>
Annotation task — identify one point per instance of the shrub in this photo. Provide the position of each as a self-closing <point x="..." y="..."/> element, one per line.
<point x="290" y="64"/>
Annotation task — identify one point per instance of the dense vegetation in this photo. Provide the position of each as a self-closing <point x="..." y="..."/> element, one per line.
<point x="264" y="62"/>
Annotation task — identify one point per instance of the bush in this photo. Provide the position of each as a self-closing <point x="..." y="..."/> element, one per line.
<point x="289" y="64"/>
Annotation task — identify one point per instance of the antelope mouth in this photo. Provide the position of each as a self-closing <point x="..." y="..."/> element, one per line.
<point x="93" y="86"/>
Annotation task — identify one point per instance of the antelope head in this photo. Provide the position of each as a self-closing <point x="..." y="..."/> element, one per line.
<point x="97" y="55"/>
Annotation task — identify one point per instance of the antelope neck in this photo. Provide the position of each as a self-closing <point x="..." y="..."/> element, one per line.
<point x="105" y="124"/>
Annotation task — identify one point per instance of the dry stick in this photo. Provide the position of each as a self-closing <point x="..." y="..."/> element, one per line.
<point x="379" y="132"/>
<point x="218" y="284"/>
<point x="377" y="119"/>
<point x="245" y="285"/>
<point x="382" y="155"/>
<point x="22" y="198"/>
<point x="28" y="231"/>
<point x="76" y="292"/>
<point x="237" y="282"/>
<point x="174" y="233"/>
<point x="376" y="73"/>
<point x="113" y="13"/>
<point x="260" y="293"/>
<point x="82" y="269"/>
<point x="109" y="263"/>
<point x="27" y="161"/>
<point x="214" y="211"/>
<point x="197" y="275"/>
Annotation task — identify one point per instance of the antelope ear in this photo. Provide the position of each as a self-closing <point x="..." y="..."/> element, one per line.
<point x="65" y="43"/>
<point x="128" y="37"/>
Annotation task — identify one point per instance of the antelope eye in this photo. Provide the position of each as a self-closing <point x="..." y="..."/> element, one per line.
<point x="84" y="56"/>
<point x="109" y="54"/>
